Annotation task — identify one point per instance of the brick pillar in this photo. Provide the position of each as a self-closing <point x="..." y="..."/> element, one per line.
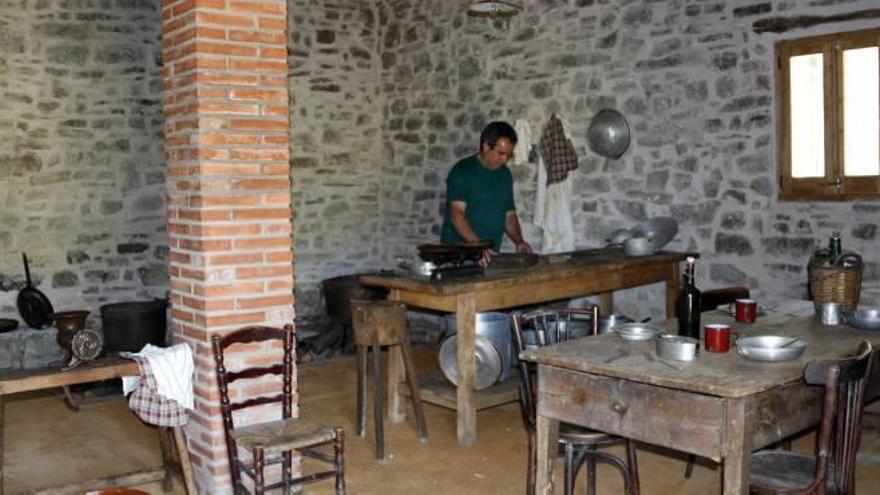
<point x="229" y="215"/>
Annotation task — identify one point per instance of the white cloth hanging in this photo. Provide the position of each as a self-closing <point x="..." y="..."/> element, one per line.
<point x="553" y="207"/>
<point x="524" y="141"/>
<point x="173" y="369"/>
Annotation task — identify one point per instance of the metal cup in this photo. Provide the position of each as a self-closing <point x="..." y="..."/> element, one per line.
<point x="831" y="313"/>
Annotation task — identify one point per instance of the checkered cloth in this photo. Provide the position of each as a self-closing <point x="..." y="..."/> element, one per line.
<point x="146" y="402"/>
<point x="557" y="151"/>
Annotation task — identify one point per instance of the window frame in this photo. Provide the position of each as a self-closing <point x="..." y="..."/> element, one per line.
<point x="827" y="187"/>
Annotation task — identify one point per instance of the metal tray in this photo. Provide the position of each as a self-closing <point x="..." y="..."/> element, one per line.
<point x="637" y="331"/>
<point x="864" y="318"/>
<point x="770" y="348"/>
<point x="487" y="361"/>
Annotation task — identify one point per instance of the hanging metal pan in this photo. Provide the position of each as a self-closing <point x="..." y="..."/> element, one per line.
<point x="608" y="134"/>
<point x="33" y="306"/>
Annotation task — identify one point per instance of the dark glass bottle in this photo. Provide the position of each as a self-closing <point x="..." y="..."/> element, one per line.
<point x="834" y="247"/>
<point x="688" y="310"/>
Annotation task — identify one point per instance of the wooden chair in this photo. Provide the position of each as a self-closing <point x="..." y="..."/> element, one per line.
<point x="377" y="324"/>
<point x="577" y="444"/>
<point x="832" y="469"/>
<point x="272" y="442"/>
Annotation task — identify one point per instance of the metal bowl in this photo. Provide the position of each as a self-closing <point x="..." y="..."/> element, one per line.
<point x="661" y="230"/>
<point x="487" y="361"/>
<point x="619" y="236"/>
<point x="864" y="318"/>
<point x="608" y="322"/>
<point x="639" y="246"/>
<point x="770" y="348"/>
<point x="608" y="134"/>
<point x="637" y="331"/>
<point x="677" y="348"/>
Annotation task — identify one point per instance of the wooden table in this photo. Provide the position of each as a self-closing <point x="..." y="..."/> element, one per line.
<point x="721" y="406"/>
<point x="555" y="277"/>
<point x="101" y="369"/>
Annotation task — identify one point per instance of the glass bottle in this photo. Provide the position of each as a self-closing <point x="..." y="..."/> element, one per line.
<point x="688" y="310"/>
<point x="834" y="247"/>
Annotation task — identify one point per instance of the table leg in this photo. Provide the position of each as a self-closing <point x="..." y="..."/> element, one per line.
<point x="2" y="439"/>
<point x="393" y="377"/>
<point x="466" y="403"/>
<point x="673" y="284"/>
<point x="736" y="450"/>
<point x="606" y="302"/>
<point x="547" y="436"/>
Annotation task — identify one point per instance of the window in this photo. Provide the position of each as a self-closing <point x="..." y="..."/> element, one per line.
<point x="828" y="101"/>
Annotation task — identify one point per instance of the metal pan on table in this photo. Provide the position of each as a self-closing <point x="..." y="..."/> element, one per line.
<point x="33" y="306"/>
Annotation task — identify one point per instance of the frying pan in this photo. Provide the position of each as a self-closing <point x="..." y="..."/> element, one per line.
<point x="33" y="305"/>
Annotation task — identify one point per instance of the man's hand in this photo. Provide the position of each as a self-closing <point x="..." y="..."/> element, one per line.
<point x="486" y="257"/>
<point x="523" y="247"/>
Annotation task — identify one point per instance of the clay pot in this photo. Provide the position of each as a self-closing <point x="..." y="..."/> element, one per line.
<point x="68" y="323"/>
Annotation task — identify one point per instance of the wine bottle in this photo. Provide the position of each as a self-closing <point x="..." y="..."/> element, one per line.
<point x="689" y="302"/>
<point x="834" y="247"/>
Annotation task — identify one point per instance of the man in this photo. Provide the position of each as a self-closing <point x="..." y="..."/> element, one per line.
<point x="479" y="194"/>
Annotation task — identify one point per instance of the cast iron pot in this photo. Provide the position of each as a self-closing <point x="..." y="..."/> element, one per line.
<point x="33" y="305"/>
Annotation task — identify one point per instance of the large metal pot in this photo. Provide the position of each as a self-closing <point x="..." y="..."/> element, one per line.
<point x="493" y="350"/>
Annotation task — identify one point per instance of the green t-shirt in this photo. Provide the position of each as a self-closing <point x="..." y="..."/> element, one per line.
<point x="488" y="194"/>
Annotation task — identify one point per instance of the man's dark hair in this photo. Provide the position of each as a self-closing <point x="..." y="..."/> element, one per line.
<point x="495" y="131"/>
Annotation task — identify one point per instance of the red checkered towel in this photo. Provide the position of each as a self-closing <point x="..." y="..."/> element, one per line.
<point x="557" y="151"/>
<point x="146" y="402"/>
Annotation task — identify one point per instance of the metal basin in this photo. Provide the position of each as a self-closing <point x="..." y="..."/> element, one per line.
<point x="608" y="134"/>
<point x="637" y="331"/>
<point x="770" y="348"/>
<point x="864" y="318"/>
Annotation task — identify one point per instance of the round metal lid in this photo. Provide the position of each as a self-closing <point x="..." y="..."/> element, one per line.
<point x="487" y="362"/>
<point x="608" y="134"/>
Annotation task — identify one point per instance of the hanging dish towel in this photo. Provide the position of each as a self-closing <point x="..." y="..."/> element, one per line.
<point x="559" y="158"/>
<point x="163" y="389"/>
<point x="559" y="154"/>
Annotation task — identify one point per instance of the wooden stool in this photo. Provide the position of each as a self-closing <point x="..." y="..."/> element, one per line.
<point x="378" y="323"/>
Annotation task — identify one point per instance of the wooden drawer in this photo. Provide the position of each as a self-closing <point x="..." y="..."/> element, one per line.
<point x="661" y="416"/>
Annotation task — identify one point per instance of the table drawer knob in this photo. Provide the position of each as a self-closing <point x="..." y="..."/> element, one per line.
<point x="619" y="407"/>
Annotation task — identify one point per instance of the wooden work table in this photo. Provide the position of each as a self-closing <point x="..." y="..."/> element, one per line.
<point x="558" y="276"/>
<point x="720" y="406"/>
<point x="171" y="439"/>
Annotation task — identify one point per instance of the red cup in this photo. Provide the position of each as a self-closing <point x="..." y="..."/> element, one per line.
<point x="746" y="310"/>
<point x="717" y="337"/>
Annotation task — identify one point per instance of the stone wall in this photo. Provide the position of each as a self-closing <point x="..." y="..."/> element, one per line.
<point x="340" y="168"/>
<point x="697" y="87"/>
<point x="81" y="168"/>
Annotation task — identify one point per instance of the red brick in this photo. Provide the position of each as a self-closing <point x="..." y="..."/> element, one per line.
<point x="226" y="230"/>
<point x="206" y="215"/>
<point x="228" y="290"/>
<point x="267" y="23"/>
<point x="249" y="184"/>
<point x="206" y="244"/>
<point x="225" y="19"/>
<point x="260" y="155"/>
<point x="234" y="259"/>
<point x="278" y="8"/>
<point x="226" y="49"/>
<point x="258" y="37"/>
<point x="264" y="302"/>
<point x="266" y="52"/>
<point x="263" y="272"/>
<point x="261" y="213"/>
<point x="259" y="124"/>
<point x="233" y="319"/>
<point x="225" y="200"/>
<point x="257" y="94"/>
<point x="264" y="242"/>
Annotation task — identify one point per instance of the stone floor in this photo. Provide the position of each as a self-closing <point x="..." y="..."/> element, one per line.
<point x="47" y="445"/>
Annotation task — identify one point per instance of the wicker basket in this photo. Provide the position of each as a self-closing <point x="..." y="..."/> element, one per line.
<point x="836" y="283"/>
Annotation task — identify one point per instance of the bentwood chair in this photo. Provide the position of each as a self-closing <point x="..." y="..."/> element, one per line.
<point x="270" y="442"/>
<point x="578" y="445"/>
<point x="832" y="468"/>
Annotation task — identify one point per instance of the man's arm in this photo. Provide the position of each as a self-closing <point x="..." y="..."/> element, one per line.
<point x="460" y="221"/>
<point x="511" y="226"/>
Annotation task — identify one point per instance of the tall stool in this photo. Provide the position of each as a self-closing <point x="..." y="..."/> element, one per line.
<point x="377" y="324"/>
